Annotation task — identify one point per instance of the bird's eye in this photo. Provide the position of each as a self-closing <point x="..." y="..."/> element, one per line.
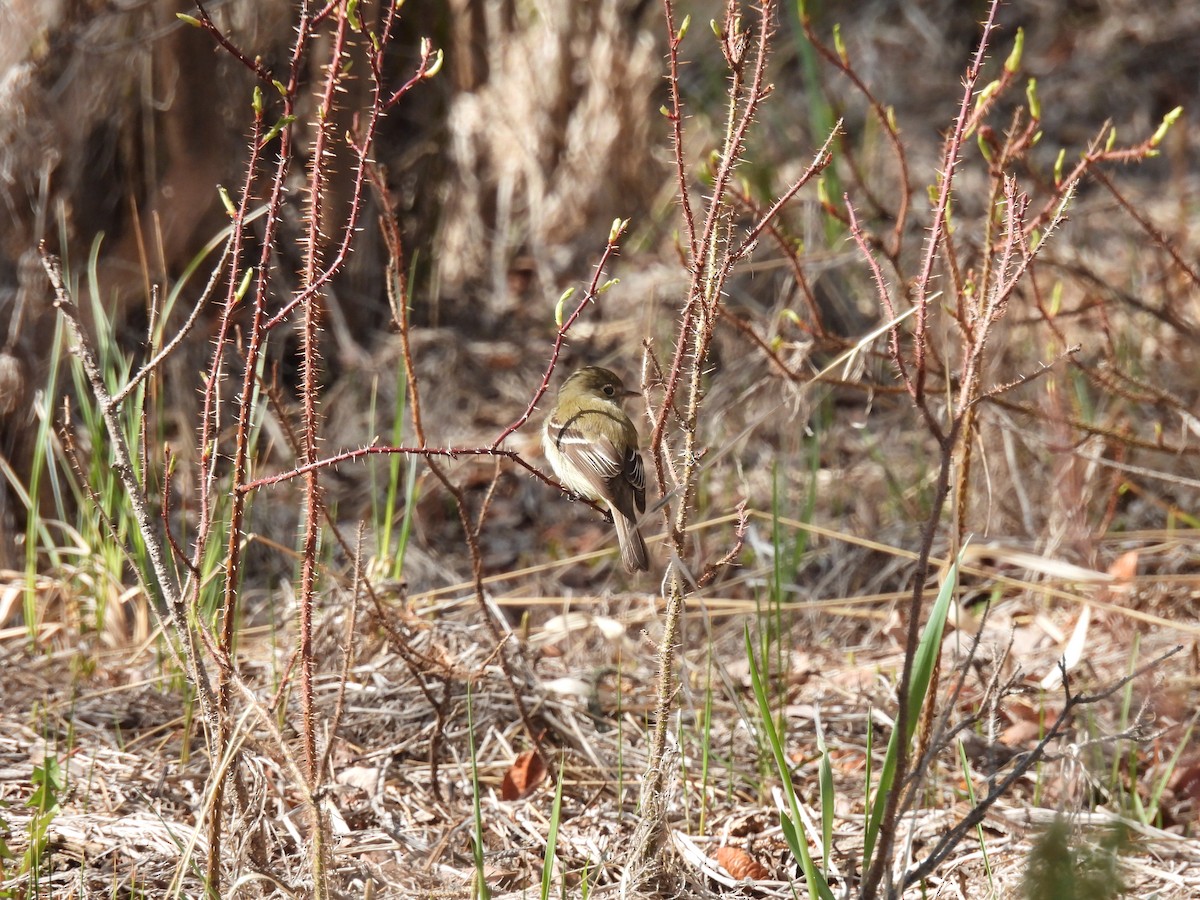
<point x="609" y="390"/>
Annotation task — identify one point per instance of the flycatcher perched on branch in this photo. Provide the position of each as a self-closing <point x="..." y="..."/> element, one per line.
<point x="592" y="446"/>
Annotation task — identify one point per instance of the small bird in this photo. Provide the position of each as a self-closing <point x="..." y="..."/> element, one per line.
<point x="592" y="446"/>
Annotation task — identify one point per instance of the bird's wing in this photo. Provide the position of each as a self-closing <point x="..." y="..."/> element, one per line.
<point x="593" y="454"/>
<point x="635" y="474"/>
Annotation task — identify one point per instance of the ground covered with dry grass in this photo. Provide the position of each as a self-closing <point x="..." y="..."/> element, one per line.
<point x="400" y="790"/>
<point x="488" y="682"/>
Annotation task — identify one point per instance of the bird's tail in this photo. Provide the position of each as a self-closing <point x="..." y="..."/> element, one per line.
<point x="634" y="554"/>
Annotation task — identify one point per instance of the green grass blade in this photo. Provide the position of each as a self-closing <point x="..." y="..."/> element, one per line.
<point x="869" y="765"/>
<point x="791" y="822"/>
<point x="826" y="783"/>
<point x="922" y="674"/>
<point x="480" y="889"/>
<point x="1156" y="794"/>
<point x="966" y="770"/>
<point x="552" y="835"/>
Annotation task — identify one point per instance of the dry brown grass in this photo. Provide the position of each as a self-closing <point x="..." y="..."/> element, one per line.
<point x="552" y="131"/>
<point x="128" y="815"/>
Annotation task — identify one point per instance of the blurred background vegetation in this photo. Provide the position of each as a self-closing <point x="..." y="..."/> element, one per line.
<point x="118" y="122"/>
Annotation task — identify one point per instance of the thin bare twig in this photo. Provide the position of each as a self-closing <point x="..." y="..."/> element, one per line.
<point x="195" y="669"/>
<point x="951" y="838"/>
<point x="611" y="248"/>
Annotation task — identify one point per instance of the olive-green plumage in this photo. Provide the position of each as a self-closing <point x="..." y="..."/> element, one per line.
<point x="592" y="446"/>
